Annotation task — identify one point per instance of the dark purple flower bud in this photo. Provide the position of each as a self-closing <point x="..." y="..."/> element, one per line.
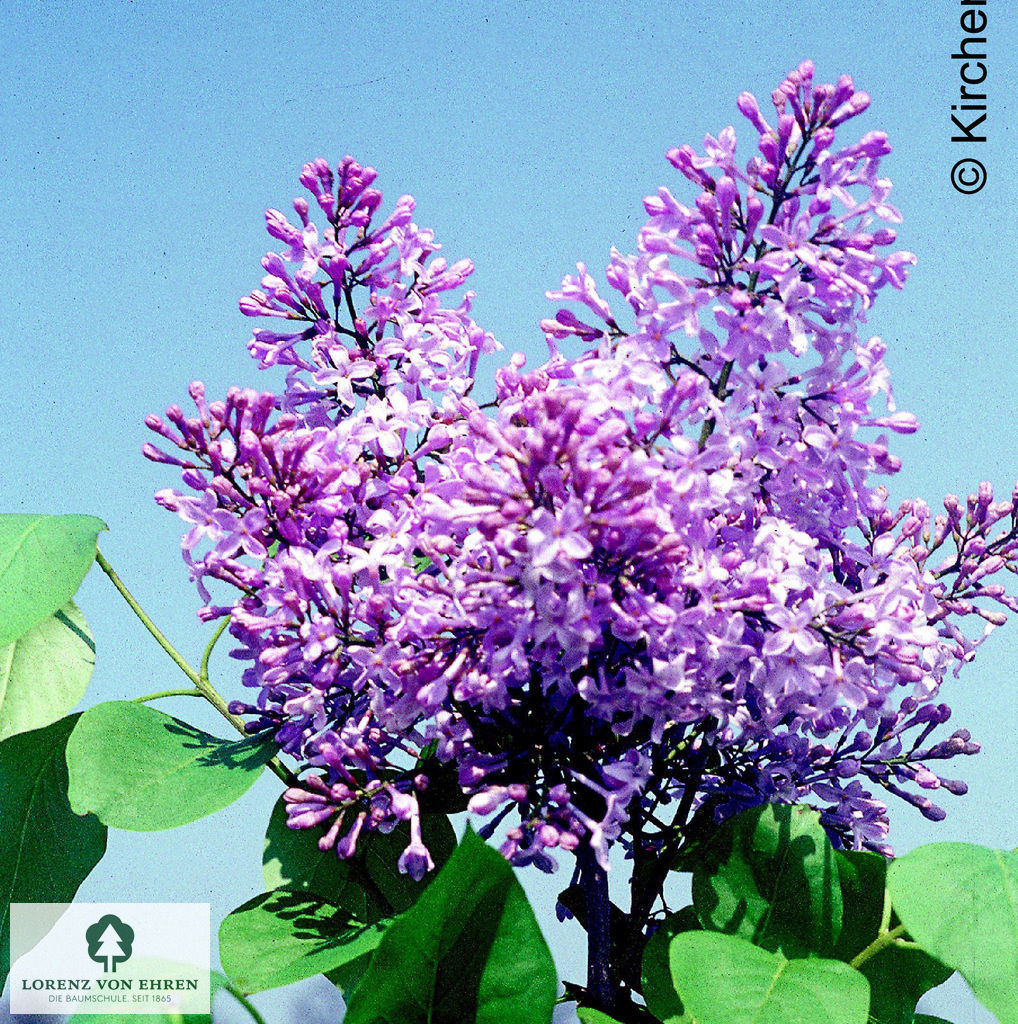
<point x="930" y="810"/>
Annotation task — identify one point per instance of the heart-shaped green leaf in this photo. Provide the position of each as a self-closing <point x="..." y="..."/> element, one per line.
<point x="656" y="972"/>
<point x="770" y="876"/>
<point x="46" y="851"/>
<point x="723" y="979"/>
<point x="45" y="672"/>
<point x="468" y="950"/>
<point x="898" y="976"/>
<point x="281" y="937"/>
<point x="137" y="768"/>
<point x="863" y="885"/>
<point x="43" y="560"/>
<point x="960" y="902"/>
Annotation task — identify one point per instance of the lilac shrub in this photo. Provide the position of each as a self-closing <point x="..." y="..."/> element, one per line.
<point x="654" y="582"/>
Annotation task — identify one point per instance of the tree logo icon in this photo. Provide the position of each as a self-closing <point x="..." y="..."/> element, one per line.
<point x="109" y="942"/>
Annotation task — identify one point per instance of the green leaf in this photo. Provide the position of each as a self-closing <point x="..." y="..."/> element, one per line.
<point x="292" y="860"/>
<point x="380" y="852"/>
<point x="770" y="876"/>
<point x="46" y="851"/>
<point x="925" y="1018"/>
<point x="45" y="672"/>
<point x="863" y="884"/>
<point x="376" y="880"/>
<point x="348" y="976"/>
<point x="898" y="977"/>
<point x="960" y="903"/>
<point x="590" y="1016"/>
<point x="469" y="950"/>
<point x="656" y="973"/>
<point x="369" y="886"/>
<point x="43" y="560"/>
<point x="723" y="979"/>
<point x="137" y="768"/>
<point x="281" y="937"/>
<point x="898" y="980"/>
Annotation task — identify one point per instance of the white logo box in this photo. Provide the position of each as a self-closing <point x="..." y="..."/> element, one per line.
<point x="146" y="958"/>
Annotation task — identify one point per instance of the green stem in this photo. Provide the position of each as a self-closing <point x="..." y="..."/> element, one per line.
<point x="166" y="693"/>
<point x="175" y="655"/>
<point x="282" y="772"/>
<point x="203" y="671"/>
<point x="200" y="680"/>
<point x="880" y="942"/>
<point x="245" y="1002"/>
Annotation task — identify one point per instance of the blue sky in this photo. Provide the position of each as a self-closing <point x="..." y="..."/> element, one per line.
<point x="142" y="141"/>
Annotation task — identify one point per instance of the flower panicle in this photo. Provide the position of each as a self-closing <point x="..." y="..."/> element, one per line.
<point x="658" y="583"/>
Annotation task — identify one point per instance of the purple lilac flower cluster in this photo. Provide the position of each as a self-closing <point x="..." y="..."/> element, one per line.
<point x="657" y="576"/>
